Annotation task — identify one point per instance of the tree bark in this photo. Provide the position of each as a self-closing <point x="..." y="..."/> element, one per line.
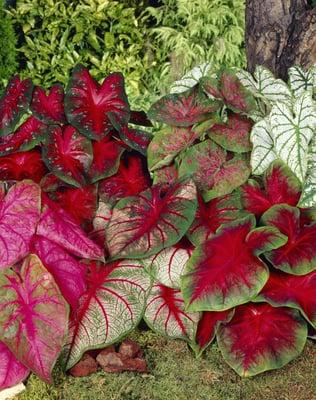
<point x="279" y="34"/>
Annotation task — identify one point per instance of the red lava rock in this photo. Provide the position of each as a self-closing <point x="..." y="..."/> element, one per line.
<point x="111" y="362"/>
<point x="129" y="349"/>
<point x="86" y="366"/>
<point x="135" y="364"/>
<point x="107" y="350"/>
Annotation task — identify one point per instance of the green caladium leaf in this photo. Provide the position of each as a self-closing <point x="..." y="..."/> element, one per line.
<point x="190" y="79"/>
<point x="301" y="81"/>
<point x="308" y="198"/>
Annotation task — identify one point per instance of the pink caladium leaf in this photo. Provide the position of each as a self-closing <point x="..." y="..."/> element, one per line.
<point x="33" y="308"/>
<point x="144" y="224"/>
<point x="210" y="216"/>
<point x="31" y="133"/>
<point x="261" y="337"/>
<point x="131" y="178"/>
<point x="111" y="307"/>
<point x="165" y="313"/>
<point x="106" y="159"/>
<point x="56" y="226"/>
<point x="208" y="325"/>
<point x="280" y="185"/>
<point x="49" y="108"/>
<point x="19" y="215"/>
<point x="12" y="371"/>
<point x="14" y="102"/>
<point x="136" y="139"/>
<point x="183" y="109"/>
<point x="233" y="135"/>
<point x="68" y="272"/>
<point x="88" y="104"/>
<point x="292" y="291"/>
<point x="100" y="222"/>
<point x="166" y="175"/>
<point x="217" y="279"/>
<point x="22" y="165"/>
<point x="298" y="255"/>
<point x="68" y="154"/>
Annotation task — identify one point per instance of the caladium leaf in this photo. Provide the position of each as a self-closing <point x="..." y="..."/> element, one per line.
<point x="135" y="138"/>
<point x="191" y="78"/>
<point x="139" y="118"/>
<point x="233" y="135"/>
<point x="68" y="154"/>
<point x="106" y="159"/>
<point x="183" y="109"/>
<point x="292" y="133"/>
<point x="28" y="135"/>
<point x="150" y="221"/>
<point x="166" y="175"/>
<point x="261" y="337"/>
<point x="301" y="81"/>
<point x="291" y="291"/>
<point x="87" y="103"/>
<point x="213" y="172"/>
<point x="100" y="222"/>
<point x="280" y="185"/>
<point x="12" y="371"/>
<point x="56" y="226"/>
<point x="49" y="108"/>
<point x="111" y="307"/>
<point x="165" y="313"/>
<point x="69" y="273"/>
<point x="167" y="143"/>
<point x="298" y="255"/>
<point x="22" y="165"/>
<point x="19" y="215"/>
<point x="14" y="103"/>
<point x="210" y="216"/>
<point x="308" y="198"/>
<point x="217" y="280"/>
<point x="35" y="334"/>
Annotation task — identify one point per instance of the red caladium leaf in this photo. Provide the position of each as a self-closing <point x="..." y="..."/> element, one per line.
<point x="88" y="104"/>
<point x="150" y="221"/>
<point x="208" y="325"/>
<point x="292" y="291"/>
<point x="14" y="103"/>
<point x="140" y="118"/>
<point x="261" y="337"/>
<point x="166" y="176"/>
<point x="166" y="315"/>
<point x="12" y="371"/>
<point x="34" y="333"/>
<point x="56" y="226"/>
<point x="210" y="216"/>
<point x="106" y="159"/>
<point x="280" y="185"/>
<point x="100" y="222"/>
<point x="27" y="136"/>
<point x="111" y="307"/>
<point x="234" y="135"/>
<point x="131" y="178"/>
<point x="68" y="154"/>
<point x="183" y="109"/>
<point x="217" y="279"/>
<point x="68" y="272"/>
<point x="135" y="138"/>
<point x="19" y="215"/>
<point x="22" y="165"/>
<point x="49" y="108"/>
<point x="298" y="255"/>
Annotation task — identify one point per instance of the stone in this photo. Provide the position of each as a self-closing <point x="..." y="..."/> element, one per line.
<point x="86" y="366"/>
<point x="129" y="349"/>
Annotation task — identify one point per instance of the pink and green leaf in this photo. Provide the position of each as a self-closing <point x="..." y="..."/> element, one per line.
<point x="49" y="108"/>
<point x="100" y="221"/>
<point x="166" y="175"/>
<point x="12" y="371"/>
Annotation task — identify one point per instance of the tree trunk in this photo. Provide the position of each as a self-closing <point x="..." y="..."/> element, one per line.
<point x="279" y="34"/>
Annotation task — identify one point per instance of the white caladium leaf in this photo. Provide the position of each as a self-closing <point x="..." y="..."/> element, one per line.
<point x="190" y="79"/>
<point x="292" y="132"/>
<point x="308" y="197"/>
<point x="301" y="81"/>
<point x="263" y="153"/>
<point x="263" y="84"/>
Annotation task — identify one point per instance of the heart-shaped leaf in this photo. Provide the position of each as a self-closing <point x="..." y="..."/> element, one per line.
<point x="14" y="102"/>
<point x="190" y="79"/>
<point x="19" y="215"/>
<point x="308" y="198"/>
<point x="111" y="307"/>
<point x="166" y="175"/>
<point x="88" y="104"/>
<point x="261" y="337"/>
<point x="135" y="138"/>
<point x="100" y="222"/>
<point x="217" y="280"/>
<point x="301" y="81"/>
<point x="150" y="221"/>
<point x="33" y="318"/>
<point x="49" y="108"/>
<point x="12" y="371"/>
<point x="298" y="255"/>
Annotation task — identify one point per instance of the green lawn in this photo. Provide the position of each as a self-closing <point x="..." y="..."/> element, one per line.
<point x="177" y="375"/>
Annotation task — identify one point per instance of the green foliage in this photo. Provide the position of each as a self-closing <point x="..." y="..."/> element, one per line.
<point x="8" y="63"/>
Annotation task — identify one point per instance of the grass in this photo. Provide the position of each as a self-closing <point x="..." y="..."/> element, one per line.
<point x="176" y="375"/>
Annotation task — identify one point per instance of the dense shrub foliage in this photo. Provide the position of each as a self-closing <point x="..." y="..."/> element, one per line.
<point x="205" y="230"/>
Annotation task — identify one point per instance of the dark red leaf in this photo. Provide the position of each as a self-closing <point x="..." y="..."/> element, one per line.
<point x="135" y="138"/>
<point x="49" y="108"/>
<point x="139" y="118"/>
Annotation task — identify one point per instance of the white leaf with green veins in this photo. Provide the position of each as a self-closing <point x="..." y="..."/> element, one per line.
<point x="190" y="79"/>
<point x="293" y="131"/>
<point x="300" y="80"/>
<point x="308" y="197"/>
<point x="263" y="153"/>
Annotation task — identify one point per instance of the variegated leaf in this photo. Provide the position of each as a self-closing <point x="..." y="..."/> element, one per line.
<point x="308" y="198"/>
<point x="300" y="80"/>
<point x="190" y="79"/>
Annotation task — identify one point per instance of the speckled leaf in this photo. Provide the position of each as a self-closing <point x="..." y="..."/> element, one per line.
<point x="12" y="371"/>
<point x="49" y="108"/>
<point x="190" y="79"/>
<point x="166" y="175"/>
<point x="136" y="139"/>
